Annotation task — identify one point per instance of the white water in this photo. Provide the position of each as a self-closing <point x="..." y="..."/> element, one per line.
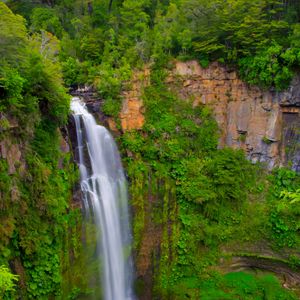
<point x="105" y="200"/>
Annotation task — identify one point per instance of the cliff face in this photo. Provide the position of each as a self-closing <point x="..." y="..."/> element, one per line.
<point x="29" y="182"/>
<point x="132" y="113"/>
<point x="265" y="124"/>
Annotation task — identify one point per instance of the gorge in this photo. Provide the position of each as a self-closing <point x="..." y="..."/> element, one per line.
<point x="172" y="172"/>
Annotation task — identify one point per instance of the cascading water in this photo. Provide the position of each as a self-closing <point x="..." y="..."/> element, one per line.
<point x="105" y="201"/>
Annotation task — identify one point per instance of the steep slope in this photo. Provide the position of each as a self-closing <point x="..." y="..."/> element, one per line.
<point x="265" y="124"/>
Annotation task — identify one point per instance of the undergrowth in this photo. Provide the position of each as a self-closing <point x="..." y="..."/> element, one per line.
<point x="202" y="200"/>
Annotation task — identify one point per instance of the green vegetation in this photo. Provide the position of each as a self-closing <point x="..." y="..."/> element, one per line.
<point x="244" y="286"/>
<point x="7" y="281"/>
<point x="102" y="40"/>
<point x="205" y="205"/>
<point x="36" y="183"/>
<point x="285" y="209"/>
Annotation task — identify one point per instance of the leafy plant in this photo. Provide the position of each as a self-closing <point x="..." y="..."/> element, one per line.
<point x="7" y="282"/>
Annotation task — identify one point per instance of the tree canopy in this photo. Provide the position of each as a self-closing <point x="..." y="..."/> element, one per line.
<point x="250" y="35"/>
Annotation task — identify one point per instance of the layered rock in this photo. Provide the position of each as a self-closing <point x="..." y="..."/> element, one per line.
<point x="265" y="124"/>
<point x="132" y="113"/>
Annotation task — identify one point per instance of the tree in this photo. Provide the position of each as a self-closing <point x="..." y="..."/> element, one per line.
<point x="110" y="5"/>
<point x="46" y="19"/>
<point x="235" y="28"/>
<point x="273" y="66"/>
<point x="12" y="36"/>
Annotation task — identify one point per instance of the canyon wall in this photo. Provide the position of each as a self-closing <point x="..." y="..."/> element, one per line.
<point x="265" y="124"/>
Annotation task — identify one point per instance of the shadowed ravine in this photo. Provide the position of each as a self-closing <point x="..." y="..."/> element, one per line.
<point x="104" y="192"/>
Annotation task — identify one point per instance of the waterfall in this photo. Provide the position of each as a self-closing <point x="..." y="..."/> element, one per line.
<point x="103" y="185"/>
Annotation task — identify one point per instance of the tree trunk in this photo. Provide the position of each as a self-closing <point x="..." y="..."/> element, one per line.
<point x="110" y="5"/>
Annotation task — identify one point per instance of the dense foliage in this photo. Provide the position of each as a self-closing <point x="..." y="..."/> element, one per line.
<point x="7" y="281"/>
<point x="102" y="39"/>
<point x="36" y="183"/>
<point x="208" y="204"/>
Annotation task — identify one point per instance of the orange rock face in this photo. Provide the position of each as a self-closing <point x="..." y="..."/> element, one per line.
<point x="248" y="117"/>
<point x="132" y="113"/>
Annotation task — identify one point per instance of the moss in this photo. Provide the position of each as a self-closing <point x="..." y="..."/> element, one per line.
<point x="36" y="222"/>
<point x="267" y="141"/>
<point x="5" y="182"/>
<point x="243" y="137"/>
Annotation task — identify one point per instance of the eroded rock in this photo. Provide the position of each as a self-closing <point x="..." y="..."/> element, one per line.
<point x="132" y="113"/>
<point x="248" y="117"/>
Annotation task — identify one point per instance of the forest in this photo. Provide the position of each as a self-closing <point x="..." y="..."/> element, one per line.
<point x="208" y="204"/>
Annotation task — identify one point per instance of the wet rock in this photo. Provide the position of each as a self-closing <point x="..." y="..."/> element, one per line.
<point x="291" y="97"/>
<point x="291" y="139"/>
<point x="13" y="155"/>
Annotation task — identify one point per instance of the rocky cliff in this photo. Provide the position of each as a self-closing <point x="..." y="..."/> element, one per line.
<point x="265" y="124"/>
